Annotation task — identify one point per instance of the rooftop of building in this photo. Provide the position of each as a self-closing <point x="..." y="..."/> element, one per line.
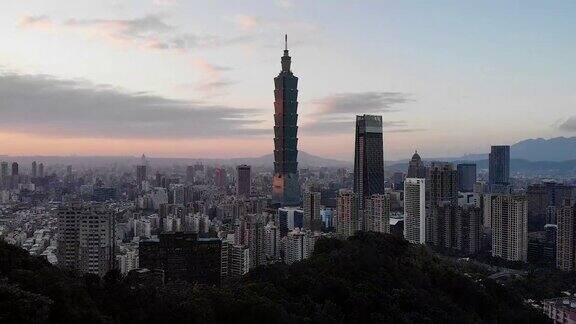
<point x="567" y="303"/>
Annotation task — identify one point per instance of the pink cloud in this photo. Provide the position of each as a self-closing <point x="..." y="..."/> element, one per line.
<point x="211" y="82"/>
<point x="247" y="22"/>
<point x="40" y="22"/>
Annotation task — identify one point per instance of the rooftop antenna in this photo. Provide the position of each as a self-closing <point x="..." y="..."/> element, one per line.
<point x="285" y="42"/>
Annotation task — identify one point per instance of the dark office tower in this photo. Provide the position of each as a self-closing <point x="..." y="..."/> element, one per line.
<point x="183" y="257"/>
<point x="140" y="174"/>
<point x="537" y="207"/>
<point x="285" y="185"/>
<point x="41" y="170"/>
<point x="368" y="158"/>
<point x="466" y="177"/>
<point x="542" y="246"/>
<point x="544" y="199"/>
<point x="190" y="174"/>
<point x="34" y="169"/>
<point x="398" y="180"/>
<point x="312" y="219"/>
<point x="14" y="169"/>
<point x="416" y="168"/>
<point x="243" y="180"/>
<point x="499" y="166"/>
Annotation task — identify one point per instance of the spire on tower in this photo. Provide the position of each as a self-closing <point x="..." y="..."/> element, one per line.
<point x="286" y="57"/>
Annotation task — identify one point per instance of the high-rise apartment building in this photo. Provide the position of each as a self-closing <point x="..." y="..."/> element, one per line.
<point x="312" y="219"/>
<point x="440" y="225"/>
<point x="443" y="202"/>
<point x="466" y="176"/>
<point x="297" y="246"/>
<point x="4" y="169"/>
<point x="468" y="229"/>
<point x="348" y="221"/>
<point x="566" y="237"/>
<point x="377" y="213"/>
<point x="368" y="158"/>
<point x="272" y="242"/>
<point x="86" y="238"/>
<point x="4" y="178"/>
<point x="243" y="179"/>
<point x="256" y="240"/>
<point x="415" y="210"/>
<point x="499" y="166"/>
<point x="235" y="260"/>
<point x="509" y="214"/>
<point x="443" y="183"/>
<point x="285" y="184"/>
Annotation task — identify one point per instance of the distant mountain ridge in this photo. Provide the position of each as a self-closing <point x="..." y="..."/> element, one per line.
<point x="540" y="149"/>
<point x="555" y="149"/>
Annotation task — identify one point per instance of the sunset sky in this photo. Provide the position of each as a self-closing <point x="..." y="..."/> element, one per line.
<point x="195" y="78"/>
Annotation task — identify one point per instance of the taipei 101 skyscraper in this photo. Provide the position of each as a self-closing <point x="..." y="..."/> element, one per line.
<point x="285" y="185"/>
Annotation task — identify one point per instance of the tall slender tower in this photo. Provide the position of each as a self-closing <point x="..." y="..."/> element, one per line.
<point x="285" y="185"/>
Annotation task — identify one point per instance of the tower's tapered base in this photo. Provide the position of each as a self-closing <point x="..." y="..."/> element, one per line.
<point x="286" y="190"/>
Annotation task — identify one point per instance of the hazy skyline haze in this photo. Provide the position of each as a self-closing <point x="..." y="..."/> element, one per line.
<point x="195" y="79"/>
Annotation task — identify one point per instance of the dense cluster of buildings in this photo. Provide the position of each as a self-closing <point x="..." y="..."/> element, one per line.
<point x="213" y="223"/>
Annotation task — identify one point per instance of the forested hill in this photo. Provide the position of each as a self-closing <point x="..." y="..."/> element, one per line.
<point x="371" y="278"/>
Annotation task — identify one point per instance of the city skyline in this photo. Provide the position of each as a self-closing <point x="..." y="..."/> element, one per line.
<point x="173" y="161"/>
<point x="163" y="79"/>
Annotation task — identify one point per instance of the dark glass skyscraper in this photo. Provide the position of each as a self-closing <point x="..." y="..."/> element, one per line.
<point x="243" y="180"/>
<point x="466" y="176"/>
<point x="285" y="185"/>
<point x="368" y="158"/>
<point x="499" y="168"/>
